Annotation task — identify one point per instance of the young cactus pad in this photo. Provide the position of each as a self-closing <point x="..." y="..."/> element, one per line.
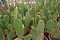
<point x="18" y="27"/>
<point x="27" y="19"/>
<point x="11" y="35"/>
<point x="1" y="35"/>
<point x="40" y="26"/>
<point x="28" y="37"/>
<point x="50" y="26"/>
<point x="34" y="33"/>
<point x="6" y="18"/>
<point x="10" y="27"/>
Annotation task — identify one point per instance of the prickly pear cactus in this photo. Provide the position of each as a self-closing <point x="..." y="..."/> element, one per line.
<point x="2" y="25"/>
<point x="15" y="13"/>
<point x="27" y="22"/>
<point x="56" y="32"/>
<point x="10" y="27"/>
<point x="1" y="35"/>
<point x="42" y="14"/>
<point x="6" y="18"/>
<point x="18" y="27"/>
<point x="34" y="34"/>
<point x="28" y="37"/>
<point x="36" y="20"/>
<point x="10" y="35"/>
<point x="50" y="26"/>
<point x="33" y="11"/>
<point x="40" y="28"/>
<point x="27" y="19"/>
<point x="19" y="16"/>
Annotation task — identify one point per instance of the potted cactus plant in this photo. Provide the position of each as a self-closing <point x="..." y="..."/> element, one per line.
<point x="39" y="22"/>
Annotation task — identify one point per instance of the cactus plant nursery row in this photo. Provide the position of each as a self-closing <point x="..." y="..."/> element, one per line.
<point x="38" y="21"/>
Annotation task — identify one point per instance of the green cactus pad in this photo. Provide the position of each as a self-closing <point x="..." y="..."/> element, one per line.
<point x="18" y="27"/>
<point x="2" y="25"/>
<point x="34" y="34"/>
<point x="1" y="35"/>
<point x="6" y="18"/>
<point x="10" y="27"/>
<point x="27" y="19"/>
<point x="40" y="26"/>
<point x="28" y="37"/>
<point x="11" y="35"/>
<point x="50" y="26"/>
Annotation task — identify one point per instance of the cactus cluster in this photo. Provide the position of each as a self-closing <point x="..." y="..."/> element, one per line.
<point x="31" y="23"/>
